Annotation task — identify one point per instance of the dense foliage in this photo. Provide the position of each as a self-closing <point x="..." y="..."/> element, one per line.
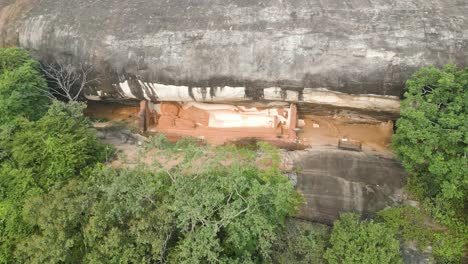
<point x="432" y="139"/>
<point x="21" y="87"/>
<point x="216" y="213"/>
<point x="301" y="242"/>
<point x="432" y="142"/>
<point x="354" y="241"/>
<point x="38" y="156"/>
<point x="414" y="227"/>
<point x="57" y="146"/>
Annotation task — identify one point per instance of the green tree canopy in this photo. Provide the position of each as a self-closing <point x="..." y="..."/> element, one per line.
<point x="21" y="83"/>
<point x="301" y="242"/>
<point x="413" y="227"/>
<point x="57" y="146"/>
<point x="353" y="241"/>
<point x="214" y="206"/>
<point x="432" y="138"/>
<point x="39" y="156"/>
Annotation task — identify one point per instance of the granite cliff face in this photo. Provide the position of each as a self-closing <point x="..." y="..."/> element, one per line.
<point x="233" y="49"/>
<point x="336" y="181"/>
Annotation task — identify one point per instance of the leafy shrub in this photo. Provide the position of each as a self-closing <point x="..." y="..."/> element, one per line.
<point x="353" y="241"/>
<point x="409" y="222"/>
<point x="203" y="210"/>
<point x="40" y="155"/>
<point x="12" y="58"/>
<point x="116" y="216"/>
<point x="301" y="242"/>
<point x="58" y="145"/>
<point x="232" y="214"/>
<point x="432" y="139"/>
<point x="21" y="83"/>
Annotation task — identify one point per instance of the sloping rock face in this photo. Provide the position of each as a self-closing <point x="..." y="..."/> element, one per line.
<point x="335" y="181"/>
<point x="141" y="48"/>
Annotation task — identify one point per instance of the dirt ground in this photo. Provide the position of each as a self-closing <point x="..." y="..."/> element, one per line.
<point x="328" y="130"/>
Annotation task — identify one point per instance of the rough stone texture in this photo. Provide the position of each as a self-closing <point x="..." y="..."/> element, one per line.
<point x="335" y="181"/>
<point x="412" y="255"/>
<point x="351" y="46"/>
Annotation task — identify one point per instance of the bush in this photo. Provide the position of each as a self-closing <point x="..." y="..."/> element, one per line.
<point x="413" y="226"/>
<point x="115" y="216"/>
<point x="202" y="210"/>
<point x="40" y="155"/>
<point x="58" y="146"/>
<point x="353" y="241"/>
<point x="21" y="87"/>
<point x="301" y="242"/>
<point x="432" y="139"/>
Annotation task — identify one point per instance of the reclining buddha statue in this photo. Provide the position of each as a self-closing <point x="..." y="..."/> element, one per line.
<point x="226" y="121"/>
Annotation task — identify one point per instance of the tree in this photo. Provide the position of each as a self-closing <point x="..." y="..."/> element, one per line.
<point x="12" y="58"/>
<point x="42" y="155"/>
<point x="412" y="226"/>
<point x="432" y="139"/>
<point x="301" y="242"/>
<point x="20" y="85"/>
<point x="353" y="241"/>
<point x="116" y="216"/>
<point x="216" y="213"/>
<point x="59" y="145"/>
<point x="229" y="214"/>
<point x="66" y="81"/>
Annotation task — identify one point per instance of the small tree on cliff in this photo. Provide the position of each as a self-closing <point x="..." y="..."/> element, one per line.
<point x="67" y="81"/>
<point x="432" y="139"/>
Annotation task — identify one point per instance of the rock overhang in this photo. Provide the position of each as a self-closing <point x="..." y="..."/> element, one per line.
<point x="347" y="47"/>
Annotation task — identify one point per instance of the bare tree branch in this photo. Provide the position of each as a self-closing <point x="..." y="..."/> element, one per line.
<point x="68" y="82"/>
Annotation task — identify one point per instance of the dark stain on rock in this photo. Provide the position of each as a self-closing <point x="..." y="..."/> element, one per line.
<point x="293" y="15"/>
<point x="254" y="93"/>
<point x="204" y="92"/>
<point x="284" y="94"/>
<point x="150" y="92"/>
<point x="213" y="92"/>
<point x="135" y="87"/>
<point x="190" y="92"/>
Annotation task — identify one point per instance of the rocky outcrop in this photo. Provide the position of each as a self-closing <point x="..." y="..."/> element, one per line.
<point x="143" y="49"/>
<point x="335" y="181"/>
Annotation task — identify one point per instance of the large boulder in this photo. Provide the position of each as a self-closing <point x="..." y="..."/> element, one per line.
<point x="144" y="48"/>
<point x="335" y="181"/>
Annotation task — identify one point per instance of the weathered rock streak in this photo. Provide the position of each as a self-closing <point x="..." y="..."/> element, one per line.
<point x="348" y="46"/>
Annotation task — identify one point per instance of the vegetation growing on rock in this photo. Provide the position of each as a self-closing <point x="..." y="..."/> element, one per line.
<point x="412" y="226"/>
<point x="301" y="242"/>
<point x="355" y="241"/>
